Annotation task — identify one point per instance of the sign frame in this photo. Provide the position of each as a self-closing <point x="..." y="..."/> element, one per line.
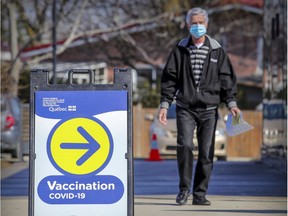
<point x="39" y="81"/>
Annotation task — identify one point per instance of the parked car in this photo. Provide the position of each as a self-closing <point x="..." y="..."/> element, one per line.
<point x="11" y="126"/>
<point x="166" y="136"/>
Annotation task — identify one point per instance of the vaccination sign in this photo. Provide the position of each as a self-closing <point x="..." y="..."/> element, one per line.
<point x="80" y="145"/>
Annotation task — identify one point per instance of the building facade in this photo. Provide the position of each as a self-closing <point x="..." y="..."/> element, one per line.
<point x="274" y="150"/>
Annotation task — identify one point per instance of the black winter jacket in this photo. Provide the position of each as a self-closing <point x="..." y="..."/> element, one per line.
<point x="217" y="84"/>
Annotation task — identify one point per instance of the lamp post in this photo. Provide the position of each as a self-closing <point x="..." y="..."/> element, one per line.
<point x="54" y="42"/>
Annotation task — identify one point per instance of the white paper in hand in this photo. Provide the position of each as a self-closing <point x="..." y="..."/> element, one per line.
<point x="236" y="125"/>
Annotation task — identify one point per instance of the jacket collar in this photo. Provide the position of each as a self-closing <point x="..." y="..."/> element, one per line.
<point x="187" y="41"/>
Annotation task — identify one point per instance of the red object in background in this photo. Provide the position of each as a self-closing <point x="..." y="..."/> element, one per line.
<point x="10" y="121"/>
<point x="154" y="152"/>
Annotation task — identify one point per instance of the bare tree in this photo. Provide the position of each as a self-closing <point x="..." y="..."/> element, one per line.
<point x="77" y="19"/>
<point x="156" y="25"/>
<point x="27" y="26"/>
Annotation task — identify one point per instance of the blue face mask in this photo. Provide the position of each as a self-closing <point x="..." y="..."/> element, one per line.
<point x="198" y="30"/>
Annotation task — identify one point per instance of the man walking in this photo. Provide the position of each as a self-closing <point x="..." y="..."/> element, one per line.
<point x="199" y="75"/>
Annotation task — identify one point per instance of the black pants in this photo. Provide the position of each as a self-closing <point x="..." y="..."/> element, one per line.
<point x="206" y="121"/>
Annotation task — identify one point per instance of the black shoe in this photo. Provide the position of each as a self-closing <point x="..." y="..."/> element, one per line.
<point x="182" y="197"/>
<point x="201" y="201"/>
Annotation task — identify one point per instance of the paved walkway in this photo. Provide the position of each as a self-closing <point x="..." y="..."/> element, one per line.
<point x="164" y="205"/>
<point x="221" y="206"/>
<point x="269" y="202"/>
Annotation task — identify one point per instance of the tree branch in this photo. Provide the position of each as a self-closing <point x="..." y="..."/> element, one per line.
<point x="125" y="25"/>
<point x="127" y="37"/>
<point x="67" y="42"/>
<point x="74" y="36"/>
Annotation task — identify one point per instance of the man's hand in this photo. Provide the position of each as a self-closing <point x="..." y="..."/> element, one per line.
<point x="162" y="117"/>
<point x="235" y="111"/>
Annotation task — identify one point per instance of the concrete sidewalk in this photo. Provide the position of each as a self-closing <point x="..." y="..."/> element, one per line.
<point x="221" y="206"/>
<point x="164" y="205"/>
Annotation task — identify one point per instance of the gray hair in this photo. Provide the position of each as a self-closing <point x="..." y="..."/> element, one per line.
<point x="196" y="11"/>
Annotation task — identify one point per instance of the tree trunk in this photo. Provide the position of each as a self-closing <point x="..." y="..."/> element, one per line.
<point x="16" y="63"/>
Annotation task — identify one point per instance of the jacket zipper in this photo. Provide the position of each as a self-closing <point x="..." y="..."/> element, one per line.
<point x="197" y="90"/>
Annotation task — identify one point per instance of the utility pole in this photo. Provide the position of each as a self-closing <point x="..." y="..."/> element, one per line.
<point x="54" y="42"/>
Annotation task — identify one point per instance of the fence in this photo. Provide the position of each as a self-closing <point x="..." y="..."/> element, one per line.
<point x="25" y="128"/>
<point x="247" y="145"/>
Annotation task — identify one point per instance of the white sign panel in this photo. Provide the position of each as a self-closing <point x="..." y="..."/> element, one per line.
<point x="80" y="147"/>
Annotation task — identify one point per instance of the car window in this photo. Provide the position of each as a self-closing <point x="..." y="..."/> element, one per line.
<point x="15" y="106"/>
<point x="3" y="105"/>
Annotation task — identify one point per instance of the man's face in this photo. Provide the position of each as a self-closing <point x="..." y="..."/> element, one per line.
<point x="197" y="19"/>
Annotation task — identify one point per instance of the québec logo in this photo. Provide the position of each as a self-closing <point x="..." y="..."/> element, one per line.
<point x="55" y="104"/>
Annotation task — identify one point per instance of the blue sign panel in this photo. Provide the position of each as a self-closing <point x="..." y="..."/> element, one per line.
<point x="66" y="104"/>
<point x="87" y="190"/>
